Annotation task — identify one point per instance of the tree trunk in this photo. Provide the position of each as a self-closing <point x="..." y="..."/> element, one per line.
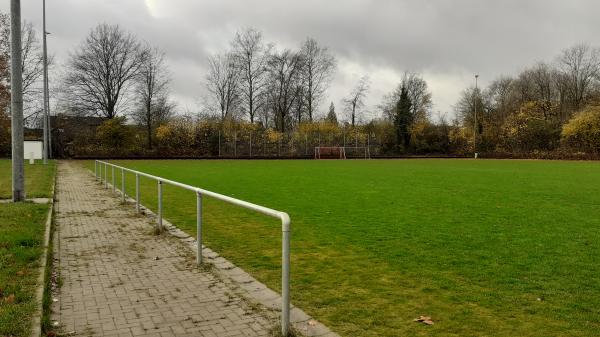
<point x="149" y="124"/>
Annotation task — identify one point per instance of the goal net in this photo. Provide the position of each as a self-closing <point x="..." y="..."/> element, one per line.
<point x="341" y="152"/>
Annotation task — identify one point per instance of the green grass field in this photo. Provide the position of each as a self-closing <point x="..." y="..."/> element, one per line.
<point x="38" y="179"/>
<point x="486" y="248"/>
<point x="21" y="244"/>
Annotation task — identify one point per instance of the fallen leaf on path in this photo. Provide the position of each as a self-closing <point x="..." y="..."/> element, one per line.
<point x="10" y="299"/>
<point x="424" y="319"/>
<point x="312" y="322"/>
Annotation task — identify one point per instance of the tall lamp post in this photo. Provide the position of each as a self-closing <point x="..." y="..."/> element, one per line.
<point x="47" y="127"/>
<point x="45" y="60"/>
<point x="16" y="103"/>
<point x="475" y="113"/>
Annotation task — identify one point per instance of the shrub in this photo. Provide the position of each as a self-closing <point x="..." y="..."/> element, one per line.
<point x="114" y="134"/>
<point x="582" y="132"/>
<point x="530" y="129"/>
<point x="177" y="136"/>
<point x="429" y="138"/>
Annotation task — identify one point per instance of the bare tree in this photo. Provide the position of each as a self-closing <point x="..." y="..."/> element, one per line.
<point x="102" y="71"/>
<point x="316" y="74"/>
<point x="501" y="97"/>
<point x="251" y="57"/>
<point x="284" y="70"/>
<point x="152" y="90"/>
<point x="418" y="93"/>
<point x="223" y="83"/>
<point x="32" y="66"/>
<point x="542" y="77"/>
<point x="355" y="100"/>
<point x="580" y="66"/>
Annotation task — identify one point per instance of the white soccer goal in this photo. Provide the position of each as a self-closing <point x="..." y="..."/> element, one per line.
<point x="342" y="152"/>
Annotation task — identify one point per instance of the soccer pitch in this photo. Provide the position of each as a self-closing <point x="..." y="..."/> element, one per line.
<point x="486" y="248"/>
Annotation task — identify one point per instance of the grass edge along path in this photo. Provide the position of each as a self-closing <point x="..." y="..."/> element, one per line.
<point x="22" y="244"/>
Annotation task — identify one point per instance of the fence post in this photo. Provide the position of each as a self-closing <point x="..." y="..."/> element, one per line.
<point x="137" y="193"/>
<point x="306" y="144"/>
<point x="160" y="192"/>
<point x="123" y="185"/>
<point x="199" y="228"/>
<point x="96" y="169"/>
<point x="285" y="275"/>
<point x="112" y="171"/>
<point x="105" y="175"/>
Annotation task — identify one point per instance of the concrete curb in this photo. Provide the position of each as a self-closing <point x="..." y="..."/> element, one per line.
<point x="249" y="287"/>
<point x="36" y="321"/>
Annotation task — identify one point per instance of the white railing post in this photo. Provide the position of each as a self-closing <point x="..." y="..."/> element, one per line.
<point x="285" y="274"/>
<point x="122" y="185"/>
<point x="112" y="173"/>
<point x="284" y="217"/>
<point x="96" y="169"/>
<point x="199" y="228"/>
<point x="160" y="227"/>
<point x="137" y="193"/>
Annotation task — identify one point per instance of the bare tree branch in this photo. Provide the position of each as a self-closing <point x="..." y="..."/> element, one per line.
<point x="102" y="70"/>
<point x="355" y="101"/>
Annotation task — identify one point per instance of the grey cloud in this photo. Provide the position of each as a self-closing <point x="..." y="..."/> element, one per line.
<point x="447" y="40"/>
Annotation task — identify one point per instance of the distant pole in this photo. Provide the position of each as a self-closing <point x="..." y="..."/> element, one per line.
<point x="49" y="113"/>
<point x="45" y="60"/>
<point x="16" y="106"/>
<point x="475" y="127"/>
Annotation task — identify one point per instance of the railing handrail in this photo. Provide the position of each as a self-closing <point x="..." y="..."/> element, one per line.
<point x="283" y="216"/>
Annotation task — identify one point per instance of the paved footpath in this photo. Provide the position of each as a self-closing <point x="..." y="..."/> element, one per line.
<point x="119" y="279"/>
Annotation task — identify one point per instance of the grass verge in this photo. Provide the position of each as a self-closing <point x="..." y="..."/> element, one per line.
<point x="22" y="228"/>
<point x="38" y="179"/>
<point x="21" y="246"/>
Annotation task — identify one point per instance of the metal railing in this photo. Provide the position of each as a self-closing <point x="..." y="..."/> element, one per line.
<point x="102" y="167"/>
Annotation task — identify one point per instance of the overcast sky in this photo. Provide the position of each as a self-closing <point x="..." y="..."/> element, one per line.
<point x="447" y="41"/>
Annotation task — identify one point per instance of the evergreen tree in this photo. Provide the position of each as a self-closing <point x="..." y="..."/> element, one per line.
<point x="331" y="116"/>
<point x="403" y="120"/>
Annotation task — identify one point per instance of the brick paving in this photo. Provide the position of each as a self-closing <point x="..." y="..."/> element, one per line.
<point x="119" y="279"/>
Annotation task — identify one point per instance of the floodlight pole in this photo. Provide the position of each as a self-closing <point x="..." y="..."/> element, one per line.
<point x="16" y="103"/>
<point x="48" y="100"/>
<point x="475" y="113"/>
<point x="45" y="60"/>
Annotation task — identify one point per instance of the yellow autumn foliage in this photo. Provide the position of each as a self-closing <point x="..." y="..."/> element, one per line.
<point x="582" y="132"/>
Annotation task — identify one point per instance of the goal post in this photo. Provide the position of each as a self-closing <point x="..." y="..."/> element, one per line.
<point x="342" y="152"/>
